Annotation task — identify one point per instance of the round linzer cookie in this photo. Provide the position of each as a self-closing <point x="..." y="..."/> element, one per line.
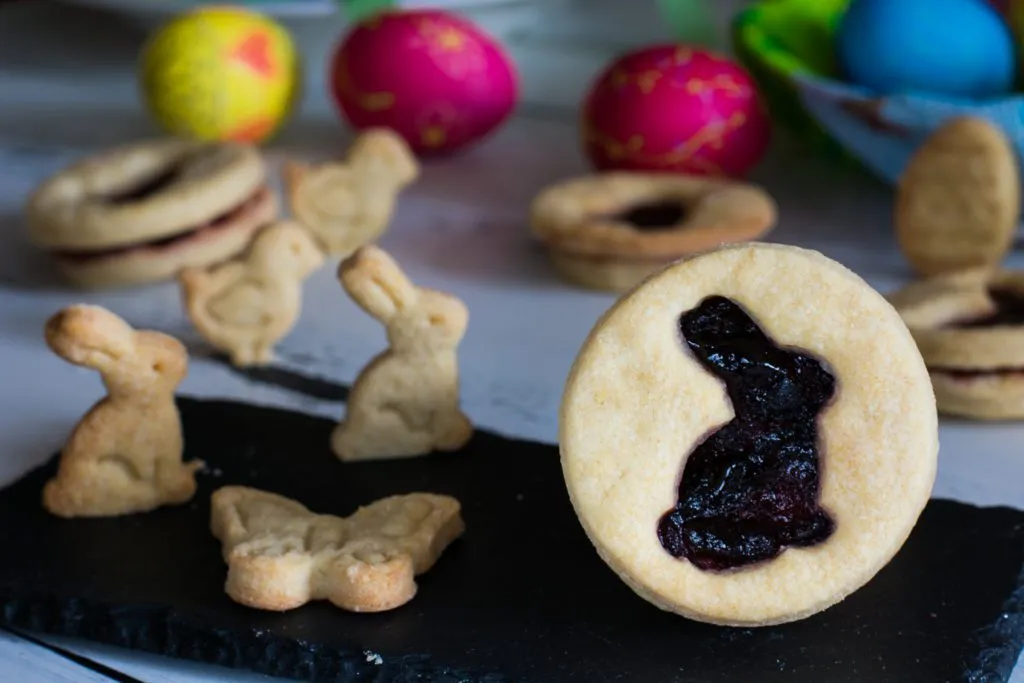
<point x="611" y="231"/>
<point x="749" y="436"/>
<point x="969" y="327"/>
<point x="958" y="200"/>
<point x="142" y="212"/>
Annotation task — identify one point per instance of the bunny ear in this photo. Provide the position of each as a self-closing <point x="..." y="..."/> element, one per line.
<point x="90" y="336"/>
<point x="376" y="283"/>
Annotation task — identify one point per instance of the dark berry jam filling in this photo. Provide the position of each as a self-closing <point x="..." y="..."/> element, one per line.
<point x="144" y="188"/>
<point x="662" y="215"/>
<point x="969" y="373"/>
<point x="750" y="489"/>
<point x="1009" y="311"/>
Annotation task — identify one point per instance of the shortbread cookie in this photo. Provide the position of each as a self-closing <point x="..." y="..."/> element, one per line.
<point x="611" y="231"/>
<point x="958" y="200"/>
<point x="346" y="205"/>
<point x="405" y="402"/>
<point x="124" y="456"/>
<point x="243" y="307"/>
<point x="281" y="556"/>
<point x="143" y="212"/>
<point x="749" y="436"/>
<point x="969" y="327"/>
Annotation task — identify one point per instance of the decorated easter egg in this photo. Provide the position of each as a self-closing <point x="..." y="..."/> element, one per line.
<point x="674" y="108"/>
<point x="220" y="73"/>
<point x="435" y="78"/>
<point x="954" y="48"/>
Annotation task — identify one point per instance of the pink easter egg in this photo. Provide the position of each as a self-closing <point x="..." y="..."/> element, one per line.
<point x="675" y="108"/>
<point x="434" y="78"/>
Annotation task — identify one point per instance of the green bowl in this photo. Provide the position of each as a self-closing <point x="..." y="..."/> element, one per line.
<point x="776" y="40"/>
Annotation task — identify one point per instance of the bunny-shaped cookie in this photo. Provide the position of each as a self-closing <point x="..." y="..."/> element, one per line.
<point x="246" y="305"/>
<point x="348" y="204"/>
<point x="405" y="402"/>
<point x="124" y="456"/>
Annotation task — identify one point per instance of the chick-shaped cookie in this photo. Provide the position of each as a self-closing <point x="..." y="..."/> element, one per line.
<point x="244" y="307"/>
<point x="125" y="455"/>
<point x="405" y="402"/>
<point x="281" y="556"/>
<point x="348" y="204"/>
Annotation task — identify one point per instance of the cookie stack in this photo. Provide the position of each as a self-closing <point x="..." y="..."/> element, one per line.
<point x="957" y="208"/>
<point x="147" y="211"/>
<point x="142" y="212"/>
<point x="611" y="231"/>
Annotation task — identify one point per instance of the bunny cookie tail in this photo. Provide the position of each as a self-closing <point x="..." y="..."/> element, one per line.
<point x="456" y="434"/>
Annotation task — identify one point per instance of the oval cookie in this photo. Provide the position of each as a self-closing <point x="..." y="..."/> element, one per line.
<point x="749" y="436"/>
<point x="958" y="200"/>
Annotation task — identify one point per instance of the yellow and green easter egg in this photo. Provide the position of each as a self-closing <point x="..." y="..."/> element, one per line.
<point x="220" y="73"/>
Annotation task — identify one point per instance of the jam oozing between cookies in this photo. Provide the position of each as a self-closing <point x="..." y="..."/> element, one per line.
<point x="660" y="215"/>
<point x="1009" y="310"/>
<point x="750" y="489"/>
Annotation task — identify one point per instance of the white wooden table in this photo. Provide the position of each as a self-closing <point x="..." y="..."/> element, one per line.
<point x="67" y="89"/>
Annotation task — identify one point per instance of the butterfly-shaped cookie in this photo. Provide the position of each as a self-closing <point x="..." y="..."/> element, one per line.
<point x="281" y="556"/>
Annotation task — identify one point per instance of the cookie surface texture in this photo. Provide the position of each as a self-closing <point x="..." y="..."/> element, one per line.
<point x="749" y="436"/>
<point x="969" y="327"/>
<point x="958" y="200"/>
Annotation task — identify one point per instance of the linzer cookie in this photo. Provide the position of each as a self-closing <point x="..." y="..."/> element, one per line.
<point x="611" y="231"/>
<point x="958" y="200"/>
<point x="749" y="436"/>
<point x="142" y="212"/>
<point x="970" y="329"/>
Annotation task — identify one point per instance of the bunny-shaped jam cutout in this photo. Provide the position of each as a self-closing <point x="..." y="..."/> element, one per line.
<point x="281" y="556"/>
<point x="245" y="306"/>
<point x="405" y="402"/>
<point x="125" y="455"/>
<point x="349" y="204"/>
<point x="751" y="488"/>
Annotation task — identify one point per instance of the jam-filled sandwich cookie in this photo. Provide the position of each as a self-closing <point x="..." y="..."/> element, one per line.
<point x="970" y="329"/>
<point x="958" y="200"/>
<point x="611" y="231"/>
<point x="749" y="436"/>
<point x="141" y="213"/>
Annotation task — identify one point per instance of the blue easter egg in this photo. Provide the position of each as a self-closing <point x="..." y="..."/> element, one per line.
<point x="957" y="48"/>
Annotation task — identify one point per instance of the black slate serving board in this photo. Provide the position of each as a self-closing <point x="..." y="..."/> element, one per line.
<point x="521" y="597"/>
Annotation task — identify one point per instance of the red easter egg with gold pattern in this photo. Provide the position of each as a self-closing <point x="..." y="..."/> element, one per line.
<point x="678" y="109"/>
<point x="434" y="78"/>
